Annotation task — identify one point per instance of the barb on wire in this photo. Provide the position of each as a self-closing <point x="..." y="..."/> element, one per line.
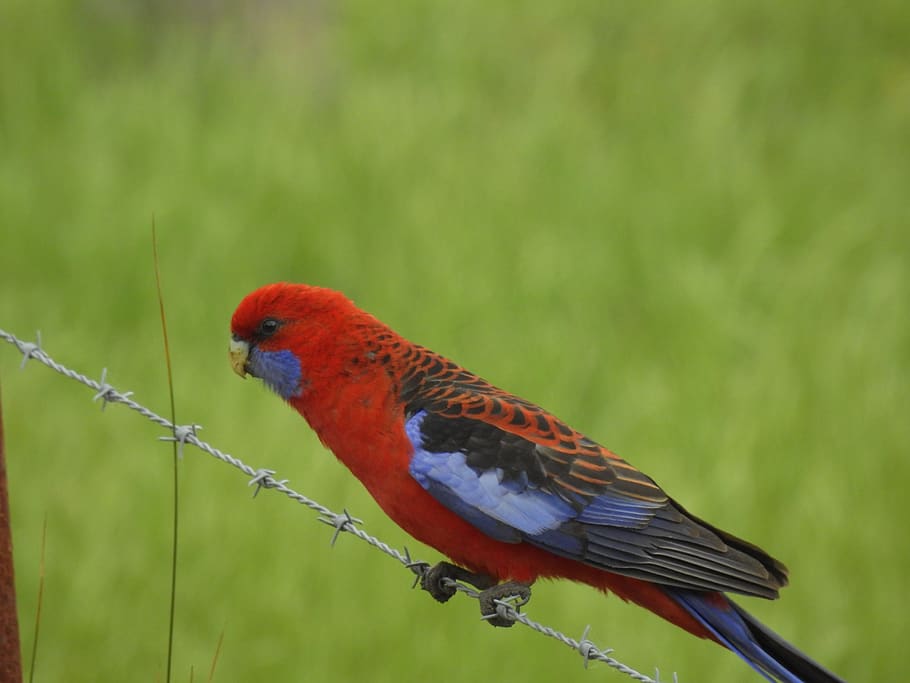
<point x="341" y="522"/>
<point x="181" y="433"/>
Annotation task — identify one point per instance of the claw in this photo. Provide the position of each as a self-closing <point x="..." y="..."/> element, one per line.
<point x="495" y="600"/>
<point x="438" y="580"/>
<point x="433" y="581"/>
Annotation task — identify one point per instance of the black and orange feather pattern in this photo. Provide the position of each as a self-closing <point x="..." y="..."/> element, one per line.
<point x="578" y="464"/>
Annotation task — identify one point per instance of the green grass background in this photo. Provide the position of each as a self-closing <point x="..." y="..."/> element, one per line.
<point x="683" y="227"/>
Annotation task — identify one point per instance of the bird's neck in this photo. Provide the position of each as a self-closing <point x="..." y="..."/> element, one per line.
<point x="351" y="399"/>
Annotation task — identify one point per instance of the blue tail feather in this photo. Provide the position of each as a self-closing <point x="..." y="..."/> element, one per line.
<point x="765" y="651"/>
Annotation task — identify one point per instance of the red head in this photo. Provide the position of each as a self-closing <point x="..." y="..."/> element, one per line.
<point x="290" y="334"/>
<point x="289" y="305"/>
<point x="325" y="357"/>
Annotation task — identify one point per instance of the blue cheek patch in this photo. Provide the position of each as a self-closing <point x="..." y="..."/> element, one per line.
<point x="280" y="370"/>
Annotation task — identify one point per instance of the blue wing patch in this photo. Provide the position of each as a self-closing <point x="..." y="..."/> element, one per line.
<point x="505" y="509"/>
<point x="510" y="508"/>
<point x="611" y="509"/>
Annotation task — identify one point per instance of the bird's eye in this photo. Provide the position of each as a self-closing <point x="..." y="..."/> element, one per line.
<point x="267" y="327"/>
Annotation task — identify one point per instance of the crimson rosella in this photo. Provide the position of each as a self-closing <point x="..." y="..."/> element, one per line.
<point x="506" y="490"/>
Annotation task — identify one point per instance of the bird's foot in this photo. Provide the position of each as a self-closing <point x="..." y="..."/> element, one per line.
<point x="437" y="580"/>
<point x="491" y="599"/>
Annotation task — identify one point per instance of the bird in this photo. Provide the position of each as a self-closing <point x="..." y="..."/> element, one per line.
<point x="507" y="491"/>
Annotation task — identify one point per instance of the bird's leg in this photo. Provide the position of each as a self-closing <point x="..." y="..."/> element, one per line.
<point x="433" y="580"/>
<point x="503" y="591"/>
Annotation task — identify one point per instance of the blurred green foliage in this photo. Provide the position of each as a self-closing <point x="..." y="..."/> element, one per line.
<point x="683" y="227"/>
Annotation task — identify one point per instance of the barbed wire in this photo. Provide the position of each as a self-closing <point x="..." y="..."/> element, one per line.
<point x="342" y="522"/>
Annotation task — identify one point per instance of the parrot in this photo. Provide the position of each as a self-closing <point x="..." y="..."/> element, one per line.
<point x="504" y="489"/>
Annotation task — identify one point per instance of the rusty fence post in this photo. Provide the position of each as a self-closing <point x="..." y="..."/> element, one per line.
<point x="10" y="659"/>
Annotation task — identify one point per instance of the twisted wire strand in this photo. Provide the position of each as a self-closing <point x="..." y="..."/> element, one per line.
<point x="342" y="522"/>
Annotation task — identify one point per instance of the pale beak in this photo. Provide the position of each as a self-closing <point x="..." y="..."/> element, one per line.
<point x="238" y="351"/>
